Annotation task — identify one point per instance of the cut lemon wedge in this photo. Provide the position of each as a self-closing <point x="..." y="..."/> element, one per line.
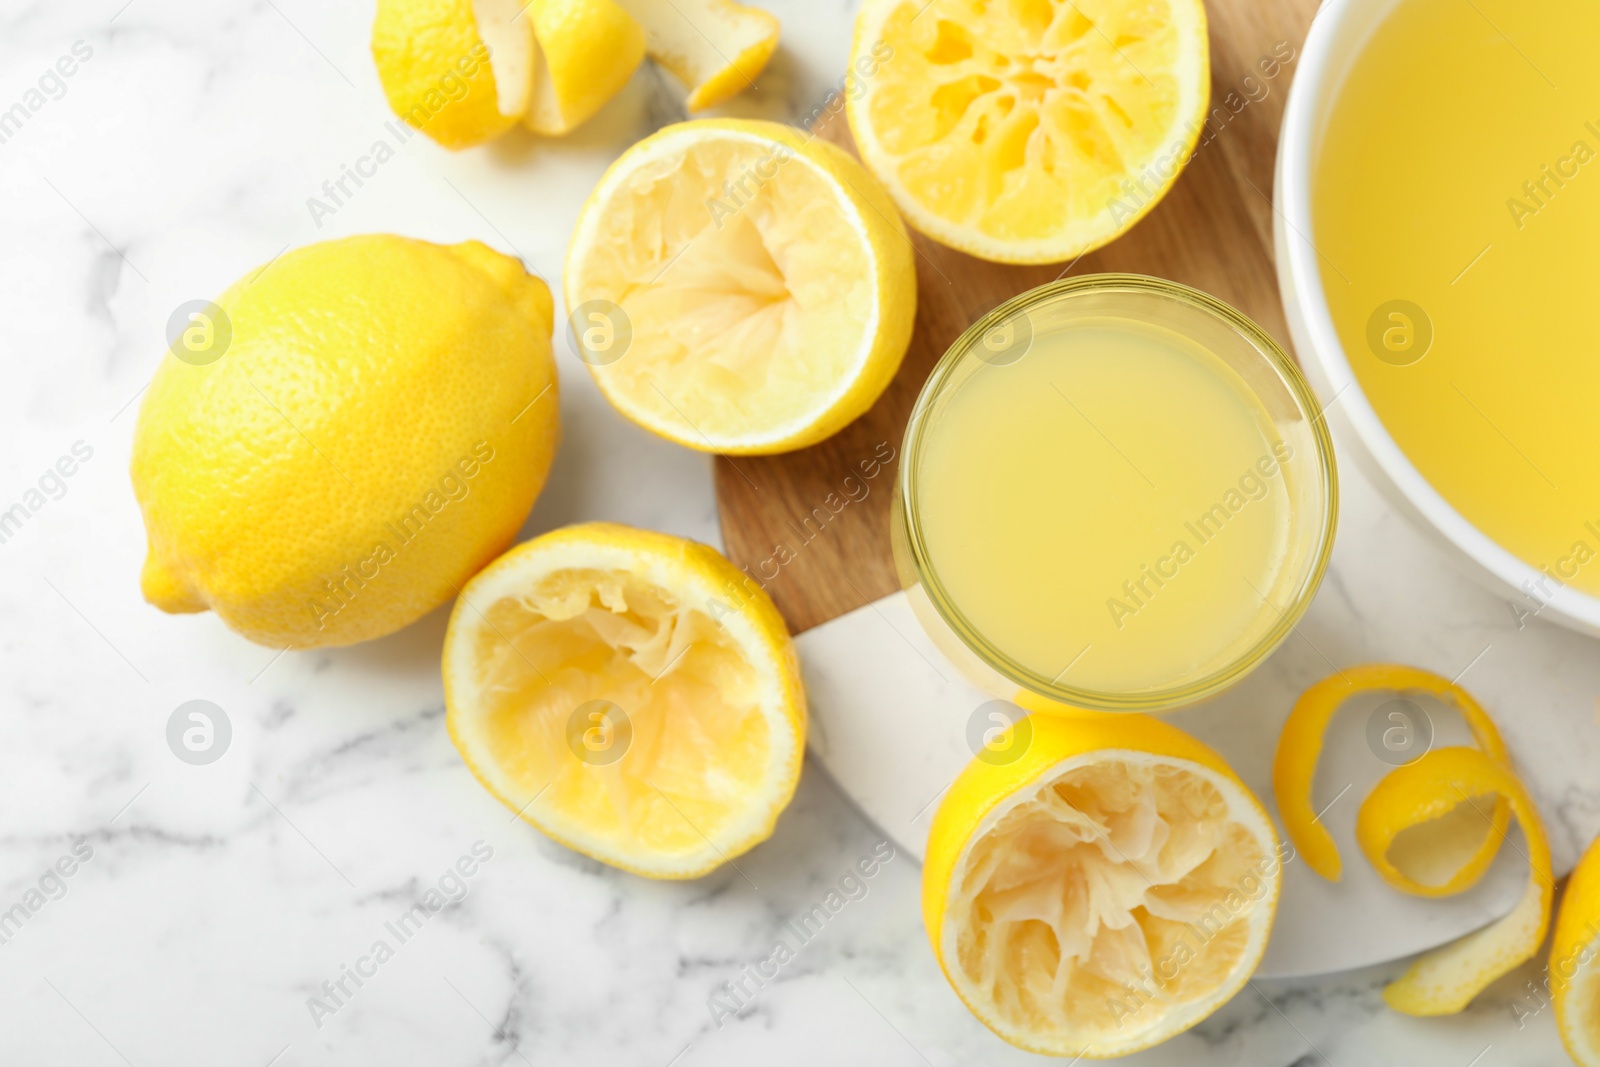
<point x="762" y="278"/>
<point x="1032" y="131"/>
<point x="1574" y="972"/>
<point x="1300" y="746"/>
<point x="715" y="47"/>
<point x="1108" y="885"/>
<point x="604" y="684"/>
<point x="1427" y="793"/>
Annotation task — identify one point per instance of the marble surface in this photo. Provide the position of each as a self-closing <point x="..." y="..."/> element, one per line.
<point x="167" y="913"/>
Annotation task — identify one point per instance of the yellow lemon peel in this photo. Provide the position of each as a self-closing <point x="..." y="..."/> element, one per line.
<point x="1574" y="976"/>
<point x="1444" y="981"/>
<point x="587" y="51"/>
<point x="456" y="70"/>
<point x="1430" y="827"/>
<point x="717" y="48"/>
<point x="465" y="71"/>
<point x="1300" y="745"/>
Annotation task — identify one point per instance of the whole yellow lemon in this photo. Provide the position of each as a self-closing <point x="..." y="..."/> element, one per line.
<point x="344" y="437"/>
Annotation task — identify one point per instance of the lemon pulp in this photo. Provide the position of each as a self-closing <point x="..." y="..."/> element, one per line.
<point x="745" y="280"/>
<point x="1030" y="130"/>
<point x="695" y="741"/>
<point x="628" y="694"/>
<point x="1110" y="897"/>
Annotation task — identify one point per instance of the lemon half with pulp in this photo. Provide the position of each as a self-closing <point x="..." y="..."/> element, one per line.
<point x="1108" y="888"/>
<point x="629" y="694"/>
<point x="1031" y="131"/>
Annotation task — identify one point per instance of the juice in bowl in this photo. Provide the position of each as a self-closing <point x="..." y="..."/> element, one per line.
<point x="1455" y="210"/>
<point x="1435" y="243"/>
<point x="1117" y="493"/>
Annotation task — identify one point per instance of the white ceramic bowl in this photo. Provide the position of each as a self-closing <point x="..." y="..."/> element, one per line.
<point x="1338" y="33"/>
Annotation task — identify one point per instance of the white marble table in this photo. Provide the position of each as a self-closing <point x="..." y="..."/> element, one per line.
<point x="208" y="905"/>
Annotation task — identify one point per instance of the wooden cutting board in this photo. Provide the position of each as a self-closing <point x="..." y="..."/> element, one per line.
<point x="821" y="547"/>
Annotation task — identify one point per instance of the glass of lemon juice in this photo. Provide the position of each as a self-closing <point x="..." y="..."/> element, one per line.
<point x="1117" y="493"/>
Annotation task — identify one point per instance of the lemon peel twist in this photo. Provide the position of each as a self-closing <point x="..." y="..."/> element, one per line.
<point x="1419" y="828"/>
<point x="1444" y="981"/>
<point x="1300" y="745"/>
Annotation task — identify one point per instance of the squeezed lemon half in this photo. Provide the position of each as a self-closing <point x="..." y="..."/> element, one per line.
<point x="1030" y="131"/>
<point x="609" y="686"/>
<point x="1109" y="888"/>
<point x="763" y="276"/>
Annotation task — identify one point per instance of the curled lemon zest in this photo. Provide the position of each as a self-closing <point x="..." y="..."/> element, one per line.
<point x="1444" y="981"/>
<point x="1300" y="745"/>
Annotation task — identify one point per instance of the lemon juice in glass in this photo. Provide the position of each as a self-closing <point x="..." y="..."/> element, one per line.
<point x="1117" y="494"/>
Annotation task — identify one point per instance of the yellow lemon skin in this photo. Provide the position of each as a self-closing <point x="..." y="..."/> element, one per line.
<point x="1294" y="767"/>
<point x="436" y="72"/>
<point x="590" y="48"/>
<point x="1575" y="962"/>
<point x="1060" y="734"/>
<point x="741" y="71"/>
<point x="374" y="433"/>
<point x="1445" y="980"/>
